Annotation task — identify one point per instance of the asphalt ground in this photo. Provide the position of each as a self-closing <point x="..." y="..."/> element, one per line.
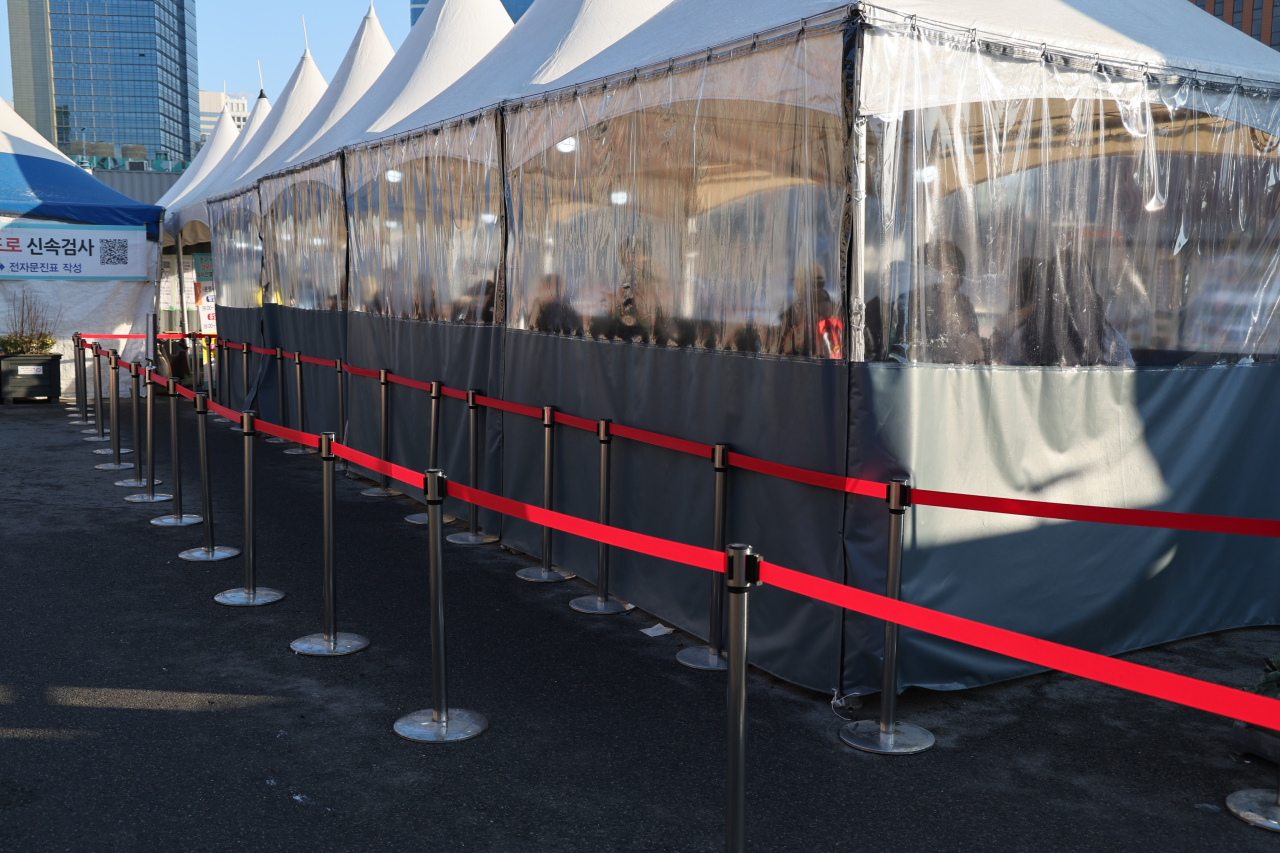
<point x="598" y="739"/>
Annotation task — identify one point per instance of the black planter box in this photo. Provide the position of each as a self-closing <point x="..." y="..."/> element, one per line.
<point x="26" y="376"/>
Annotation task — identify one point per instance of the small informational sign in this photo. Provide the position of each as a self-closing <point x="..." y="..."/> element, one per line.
<point x="208" y="293"/>
<point x="32" y="250"/>
<point x="31" y="370"/>
<point x="169" y="283"/>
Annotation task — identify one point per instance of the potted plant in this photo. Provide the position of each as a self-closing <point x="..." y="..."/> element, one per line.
<point x="28" y="367"/>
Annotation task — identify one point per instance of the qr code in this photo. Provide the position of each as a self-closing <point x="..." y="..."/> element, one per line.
<point x="114" y="253"/>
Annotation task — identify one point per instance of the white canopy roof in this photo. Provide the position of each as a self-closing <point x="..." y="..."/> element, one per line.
<point x="553" y="37"/>
<point x="366" y="59"/>
<point x="450" y="37"/>
<point x="18" y="137"/>
<point x="220" y="141"/>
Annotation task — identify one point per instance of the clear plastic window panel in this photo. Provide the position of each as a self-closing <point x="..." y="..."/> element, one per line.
<point x="1026" y="214"/>
<point x="700" y="207"/>
<point x="427" y="223"/>
<point x="236" y="226"/>
<point x="305" y="237"/>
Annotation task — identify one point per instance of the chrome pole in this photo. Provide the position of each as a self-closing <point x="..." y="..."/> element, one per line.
<point x="177" y="519"/>
<point x="149" y="480"/>
<point x="890" y="736"/>
<point x="209" y="552"/>
<point x="341" y="432"/>
<point x="711" y="656"/>
<point x="250" y="595"/>
<point x="433" y="451"/>
<point x="546" y="573"/>
<point x="80" y="411"/>
<point x="244" y="378"/>
<point x="113" y="363"/>
<point x="441" y="724"/>
<point x="99" y="430"/>
<point x="282" y="397"/>
<point x="383" y="489"/>
<point x="301" y="449"/>
<point x="219" y="374"/>
<point x="601" y="602"/>
<point x="742" y="572"/>
<point x="139" y="480"/>
<point x="473" y="536"/>
<point x="331" y="642"/>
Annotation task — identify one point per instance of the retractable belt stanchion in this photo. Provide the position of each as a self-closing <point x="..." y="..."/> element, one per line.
<point x="890" y="736"/>
<point x="711" y="656"/>
<point x="332" y="642"/>
<point x="99" y="430"/>
<point x="473" y="536"/>
<point x="244" y="378"/>
<point x="301" y="449"/>
<point x="148" y="475"/>
<point x="282" y="397"/>
<point x="221" y="372"/>
<point x="113" y="362"/>
<point x="601" y="602"/>
<point x="742" y="572"/>
<point x="176" y="519"/>
<point x="250" y="595"/>
<point x="546" y="573"/>
<point x="341" y="431"/>
<point x="79" y="413"/>
<point x="1257" y="806"/>
<point x="210" y="552"/>
<point x="139" y="479"/>
<point x="441" y="724"/>
<point x="433" y="451"/>
<point x="384" y="490"/>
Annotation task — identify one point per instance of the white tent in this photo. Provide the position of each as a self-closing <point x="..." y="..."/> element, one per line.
<point x="450" y="37"/>
<point x="220" y="141"/>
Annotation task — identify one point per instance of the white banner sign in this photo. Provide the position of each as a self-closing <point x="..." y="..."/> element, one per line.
<point x="54" y="251"/>
<point x="208" y="308"/>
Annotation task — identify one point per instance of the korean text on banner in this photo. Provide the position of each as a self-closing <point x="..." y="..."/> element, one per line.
<point x="31" y="250"/>
<point x="206" y="293"/>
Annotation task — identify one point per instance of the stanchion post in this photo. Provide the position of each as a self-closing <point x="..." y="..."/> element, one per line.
<point x="300" y="449"/>
<point x="210" y="552"/>
<point x="441" y="724"/>
<point x="383" y="489"/>
<point x="81" y="406"/>
<point x="99" y="422"/>
<point x="282" y="397"/>
<point x="244" y="379"/>
<point x="433" y="450"/>
<point x="546" y="573"/>
<point x="177" y="518"/>
<point x="890" y="736"/>
<point x="139" y="479"/>
<point x="331" y="642"/>
<point x="149" y="496"/>
<point x="601" y="603"/>
<point x="473" y="536"/>
<point x="113" y="364"/>
<point x="250" y="595"/>
<point x="742" y="572"/>
<point x="341" y="431"/>
<point x="711" y="656"/>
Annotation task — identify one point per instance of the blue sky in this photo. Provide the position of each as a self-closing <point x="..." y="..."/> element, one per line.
<point x="234" y="34"/>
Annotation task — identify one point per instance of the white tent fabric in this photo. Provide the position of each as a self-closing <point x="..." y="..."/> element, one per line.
<point x="18" y="137"/>
<point x="450" y="37"/>
<point x="366" y="59"/>
<point x="220" y="141"/>
<point x="553" y="37"/>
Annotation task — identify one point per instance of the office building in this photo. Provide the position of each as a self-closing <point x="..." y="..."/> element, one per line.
<point x="515" y="8"/>
<point x="211" y="106"/>
<point x="108" y="79"/>
<point x="1253" y="17"/>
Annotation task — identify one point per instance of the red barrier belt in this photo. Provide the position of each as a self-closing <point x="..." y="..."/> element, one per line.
<point x="284" y="432"/>
<point x="453" y="392"/>
<point x="677" y="552"/>
<point x="184" y="392"/>
<point x="409" y="383"/>
<point x="679" y="444"/>
<point x="320" y="361"/>
<point x="575" y="422"/>
<point x="261" y="351"/>
<point x="867" y="488"/>
<point x="514" y="408"/>
<point x="1104" y="515"/>
<point x="162" y="381"/>
<point x="164" y="336"/>
<point x="1203" y="695"/>
<point x="223" y="411"/>
<point x="360" y="371"/>
<point x="373" y="463"/>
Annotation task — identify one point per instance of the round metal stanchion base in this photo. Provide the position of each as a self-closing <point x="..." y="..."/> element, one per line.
<point x="149" y="499"/>
<point x="592" y="604"/>
<point x="379" y="492"/>
<point x="135" y="483"/>
<point x="82" y="423"/>
<point x="222" y="421"/>
<point x="241" y="597"/>
<point x="1256" y="807"/>
<point x="535" y="574"/>
<point x="112" y="466"/>
<point x="106" y="451"/>
<point x="701" y="657"/>
<point x="317" y="646"/>
<point x="96" y="437"/>
<point x="421" y="726"/>
<point x="237" y="428"/>
<point x="906" y="739"/>
<point x="277" y="440"/>
<point x="200" y="555"/>
<point x="177" y="521"/>
<point x="469" y="538"/>
<point x="301" y="451"/>
<point x="423" y="518"/>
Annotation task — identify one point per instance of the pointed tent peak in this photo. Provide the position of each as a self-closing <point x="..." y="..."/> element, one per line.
<point x="262" y="94"/>
<point x="196" y="190"/>
<point x="371" y="13"/>
<point x="221" y="139"/>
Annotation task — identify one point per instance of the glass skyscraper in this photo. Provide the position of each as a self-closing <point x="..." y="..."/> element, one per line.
<point x="515" y="8"/>
<point x="119" y="78"/>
